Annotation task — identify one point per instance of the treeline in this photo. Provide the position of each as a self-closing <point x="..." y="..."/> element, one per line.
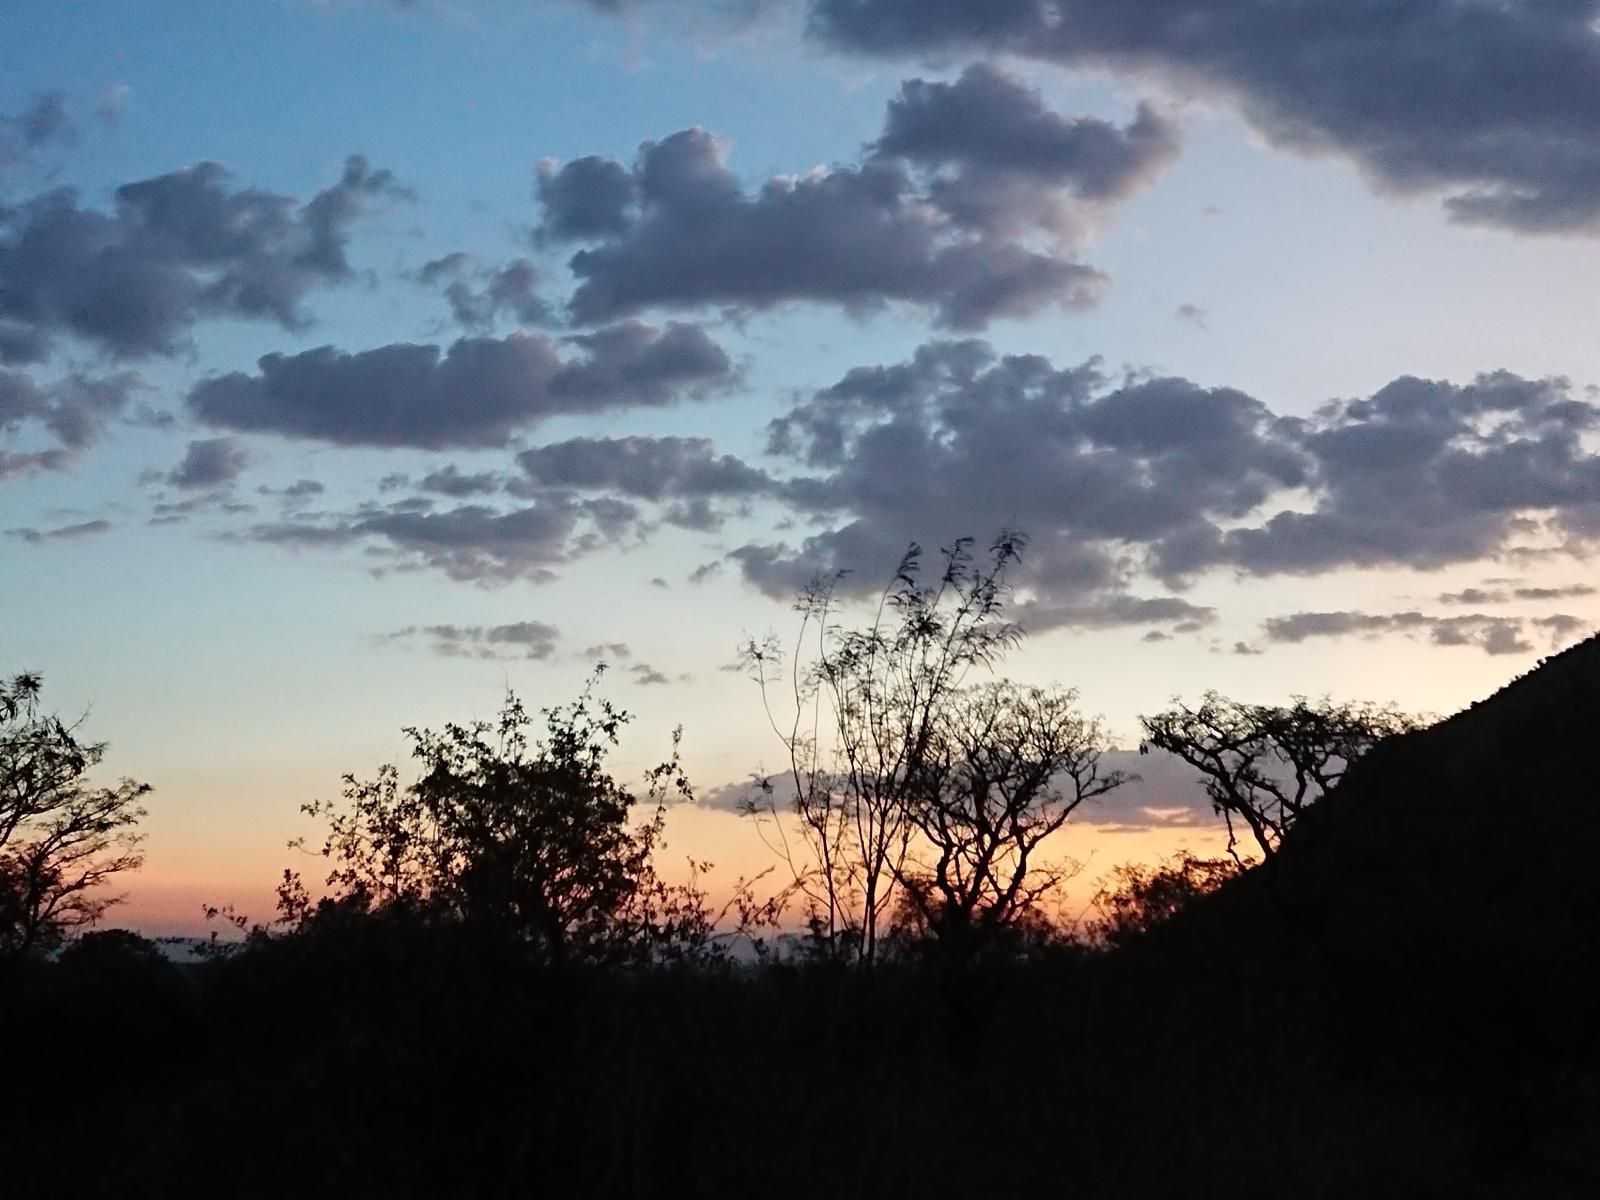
<point x="492" y="991"/>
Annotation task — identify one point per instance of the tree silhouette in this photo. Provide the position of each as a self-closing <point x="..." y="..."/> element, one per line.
<point x="60" y="840"/>
<point x="532" y="839"/>
<point x="1140" y="897"/>
<point x="1007" y="766"/>
<point x="1267" y="764"/>
<point x="904" y="778"/>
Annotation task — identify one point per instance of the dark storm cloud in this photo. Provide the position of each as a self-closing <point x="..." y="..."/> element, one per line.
<point x="40" y="537"/>
<point x="937" y="216"/>
<point x="72" y="413"/>
<point x="519" y="640"/>
<point x="175" y="249"/>
<point x="1492" y="634"/>
<point x="1491" y="103"/>
<point x="1122" y="479"/>
<point x="209" y="463"/>
<point x="477" y="393"/>
<point x="44" y="122"/>
<point x="21" y="345"/>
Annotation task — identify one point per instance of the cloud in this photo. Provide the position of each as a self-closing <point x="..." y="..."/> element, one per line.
<point x="1004" y="163"/>
<point x="44" y="122"/>
<point x="647" y="676"/>
<point x="936" y="215"/>
<point x="209" y="463"/>
<point x="646" y="468"/>
<point x="64" y="533"/>
<point x="1492" y="634"/>
<point x="1126" y="481"/>
<point x="961" y="441"/>
<point x="471" y="543"/>
<point x="175" y="249"/>
<point x="1491" y="104"/>
<point x="1481" y="596"/>
<point x="480" y="296"/>
<point x="519" y="640"/>
<point x="477" y="393"/>
<point x="71" y="413"/>
<point x="451" y="481"/>
<point x="602" y="651"/>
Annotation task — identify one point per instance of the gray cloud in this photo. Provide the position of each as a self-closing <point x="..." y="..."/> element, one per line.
<point x="71" y="413"/>
<point x="1480" y="596"/>
<point x="519" y="640"/>
<point x="1005" y="163"/>
<point x="935" y="216"/>
<point x="174" y="249"/>
<point x="645" y="468"/>
<point x="44" y="122"/>
<point x="209" y="463"/>
<point x="64" y="533"/>
<point x="1492" y="634"/>
<point x="451" y="481"/>
<point x="477" y="393"/>
<point x="1142" y="477"/>
<point x="1490" y="103"/>
<point x="647" y="676"/>
<point x="472" y="543"/>
<point x="480" y="296"/>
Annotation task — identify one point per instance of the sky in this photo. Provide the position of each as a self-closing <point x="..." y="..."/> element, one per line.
<point x="360" y="360"/>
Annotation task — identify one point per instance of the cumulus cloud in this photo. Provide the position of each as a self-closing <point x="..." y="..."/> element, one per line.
<point x="1491" y="104"/>
<point x="172" y="250"/>
<point x="519" y="640"/>
<point x="1125" y="481"/>
<point x="209" y="463"/>
<point x="936" y="215"/>
<point x="476" y="393"/>
<point x="480" y="296"/>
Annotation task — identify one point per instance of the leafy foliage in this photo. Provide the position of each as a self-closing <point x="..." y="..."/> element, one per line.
<point x="1141" y="897"/>
<point x="530" y="838"/>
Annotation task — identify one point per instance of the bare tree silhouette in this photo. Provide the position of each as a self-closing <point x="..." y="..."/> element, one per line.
<point x="61" y="841"/>
<point x="1265" y="765"/>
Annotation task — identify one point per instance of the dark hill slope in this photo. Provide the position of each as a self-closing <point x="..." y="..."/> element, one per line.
<point x="1440" y="911"/>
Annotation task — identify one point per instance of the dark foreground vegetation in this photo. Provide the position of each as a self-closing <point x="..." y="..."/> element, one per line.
<point x="1390" y="993"/>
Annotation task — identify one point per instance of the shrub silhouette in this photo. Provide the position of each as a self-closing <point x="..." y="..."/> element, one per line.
<point x="530" y="839"/>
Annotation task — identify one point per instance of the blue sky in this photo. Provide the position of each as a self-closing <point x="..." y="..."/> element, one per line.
<point x="1270" y="248"/>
